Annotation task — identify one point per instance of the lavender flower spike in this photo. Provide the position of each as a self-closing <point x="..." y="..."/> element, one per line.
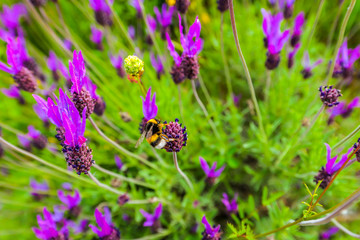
<point x="157" y="64"/>
<point x="152" y="220"/>
<point x="164" y="18"/>
<point x="47" y="228"/>
<point x="328" y="233"/>
<point x="14" y="92"/>
<point x="136" y="5"/>
<point x="10" y="18"/>
<point x="118" y="162"/>
<point x="307" y="71"/>
<point x="102" y="11"/>
<point x="16" y="55"/>
<point x="291" y="55"/>
<point x="177" y="132"/>
<point x="54" y="65"/>
<point x="211" y="173"/>
<point x="210" y="233"/>
<point x="325" y="174"/>
<point x="38" y="186"/>
<point x="343" y="109"/>
<point x="149" y="105"/>
<point x="329" y="95"/>
<point x="274" y="38"/>
<point x="117" y="62"/>
<point x="97" y="37"/>
<point x="297" y="31"/>
<point x="345" y="60"/>
<point x="72" y="203"/>
<point x="107" y="229"/>
<point x="231" y="206"/>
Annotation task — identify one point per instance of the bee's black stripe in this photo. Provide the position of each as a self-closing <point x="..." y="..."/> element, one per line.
<point x="156" y="142"/>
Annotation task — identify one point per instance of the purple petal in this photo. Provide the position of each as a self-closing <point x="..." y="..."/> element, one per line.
<point x="204" y="165"/>
<point x="158" y="211"/>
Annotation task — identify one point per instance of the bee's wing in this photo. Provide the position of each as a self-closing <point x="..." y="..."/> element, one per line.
<point x="149" y="133"/>
<point x="141" y="139"/>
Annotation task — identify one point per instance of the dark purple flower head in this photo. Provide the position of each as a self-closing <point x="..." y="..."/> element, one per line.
<point x="122" y="199"/>
<point x="107" y="230"/>
<point x="165" y="16"/>
<point x="149" y="105"/>
<point x="343" y="109"/>
<point x="328" y="233"/>
<point x="37" y="139"/>
<point x="38" y="3"/>
<point x="39" y="189"/>
<point x="329" y="95"/>
<point x="307" y="71"/>
<point x="102" y="11"/>
<point x="13" y="92"/>
<point x="231" y="206"/>
<point x="291" y="55"/>
<point x="152" y="220"/>
<point x="47" y="228"/>
<point x="345" y="60"/>
<point x="298" y="26"/>
<point x="10" y="18"/>
<point x="70" y="201"/>
<point x="182" y="6"/>
<point x="211" y="173"/>
<point x="177" y="135"/>
<point x="157" y="64"/>
<point x="210" y="233"/>
<point x="118" y="162"/>
<point x="16" y="56"/>
<point x="97" y="37"/>
<point x="222" y="5"/>
<point x="325" y="174"/>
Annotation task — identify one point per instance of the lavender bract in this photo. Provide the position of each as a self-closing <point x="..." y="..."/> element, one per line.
<point x="307" y="71"/>
<point x="102" y="11"/>
<point x="297" y="31"/>
<point x="343" y="109"/>
<point x="137" y="6"/>
<point x="210" y="233"/>
<point x="328" y="233"/>
<point x="118" y="162"/>
<point x="164" y="18"/>
<point x="211" y="173"/>
<point x="231" y="206"/>
<point x="107" y="230"/>
<point x="72" y="203"/>
<point x="157" y="64"/>
<point x="14" y="92"/>
<point x="97" y="37"/>
<point x="150" y="108"/>
<point x="345" y="60"/>
<point x="54" y="65"/>
<point x="10" y="18"/>
<point x="117" y="62"/>
<point x="152" y="220"/>
<point x="37" y="187"/>
<point x="291" y="55"/>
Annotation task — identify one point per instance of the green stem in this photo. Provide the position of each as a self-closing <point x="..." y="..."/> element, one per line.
<point x="312" y="122"/>
<point x="104" y="186"/>
<point x="180" y="103"/>
<point x="181" y="172"/>
<point x="340" y="39"/>
<point x="318" y="13"/>
<point x="268" y="84"/>
<point x="347" y="138"/>
<point x="334" y="24"/>
<point x="226" y="66"/>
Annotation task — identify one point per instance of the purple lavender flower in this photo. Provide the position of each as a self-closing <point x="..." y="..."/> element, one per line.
<point x="54" y="65"/>
<point x="16" y="55"/>
<point x="178" y="135"/>
<point x="152" y="23"/>
<point x="117" y="62"/>
<point x="122" y="199"/>
<point x="182" y="6"/>
<point x="25" y="141"/>
<point x="97" y="37"/>
<point x="118" y="162"/>
<point x="80" y="95"/>
<point x="210" y="233"/>
<point x="325" y="174"/>
<point x="236" y="99"/>
<point x="37" y="187"/>
<point x="14" y="92"/>
<point x="100" y="104"/>
<point x="47" y="228"/>
<point x="157" y="64"/>
<point x="10" y="18"/>
<point x="149" y="106"/>
<point x="211" y="173"/>
<point x="58" y="215"/>
<point x="81" y="227"/>
<point x="329" y="95"/>
<point x="137" y="6"/>
<point x="274" y="39"/>
<point x="343" y="109"/>
<point x="307" y="71"/>
<point x="164" y="18"/>
<point x="286" y="5"/>
<point x="41" y="114"/>
<point x="67" y="186"/>
<point x="328" y="233"/>
<point x="126" y="217"/>
<point x="37" y="139"/>
<point x="107" y="229"/>
<point x="291" y="55"/>
<point x="231" y="206"/>
<point x="102" y="11"/>
<point x="67" y="44"/>
<point x="345" y="60"/>
<point x="131" y="31"/>
<point x="72" y="203"/>
<point x="70" y="129"/>
<point x="297" y="31"/>
<point x="187" y="65"/>
<point x="152" y="220"/>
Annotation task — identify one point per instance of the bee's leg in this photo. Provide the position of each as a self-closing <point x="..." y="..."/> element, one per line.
<point x="166" y="138"/>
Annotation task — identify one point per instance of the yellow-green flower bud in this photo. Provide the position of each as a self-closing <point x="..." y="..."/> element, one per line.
<point x="134" y="66"/>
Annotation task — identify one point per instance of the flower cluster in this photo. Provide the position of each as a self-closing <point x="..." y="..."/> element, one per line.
<point x="210" y="233"/>
<point x="72" y="203"/>
<point x="38" y="189"/>
<point x="231" y="206"/>
<point x="186" y="65"/>
<point x="48" y="230"/>
<point x="329" y="95"/>
<point x="134" y="67"/>
<point x="222" y="5"/>
<point x="287" y="6"/>
<point x="182" y="6"/>
<point x="297" y="31"/>
<point x="152" y="220"/>
<point x="345" y="60"/>
<point x="211" y="173"/>
<point x="10" y="18"/>
<point x="177" y="134"/>
<point x="14" y="92"/>
<point x="107" y="230"/>
<point x="117" y="62"/>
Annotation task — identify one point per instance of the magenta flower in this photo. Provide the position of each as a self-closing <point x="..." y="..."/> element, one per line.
<point x="10" y="18"/>
<point x="307" y="71"/>
<point x="102" y="11"/>
<point x="164" y="18"/>
<point x="152" y="23"/>
<point x="149" y="106"/>
<point x="297" y="31"/>
<point x="13" y="92"/>
<point x="97" y="37"/>
<point x="210" y="233"/>
<point x="137" y="6"/>
<point x="345" y="60"/>
<point x="152" y="220"/>
<point x="286" y="5"/>
<point x="291" y="55"/>
<point x="118" y="162"/>
<point x="107" y="229"/>
<point x="54" y="65"/>
<point x="41" y="114"/>
<point x="24" y="141"/>
<point x="67" y="44"/>
<point x="16" y="56"/>
<point x="38" y="189"/>
<point x="117" y="62"/>
<point x="325" y="174"/>
<point x="47" y="228"/>
<point x="67" y="186"/>
<point x="328" y="233"/>
<point x="211" y="173"/>
<point x="72" y="203"/>
<point x="32" y="138"/>
<point x="343" y="109"/>
<point x="236" y="99"/>
<point x="274" y="39"/>
<point x="131" y="31"/>
<point x="231" y="206"/>
<point x="157" y="64"/>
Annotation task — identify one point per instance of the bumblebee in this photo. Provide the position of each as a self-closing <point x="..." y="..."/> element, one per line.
<point x="153" y="134"/>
